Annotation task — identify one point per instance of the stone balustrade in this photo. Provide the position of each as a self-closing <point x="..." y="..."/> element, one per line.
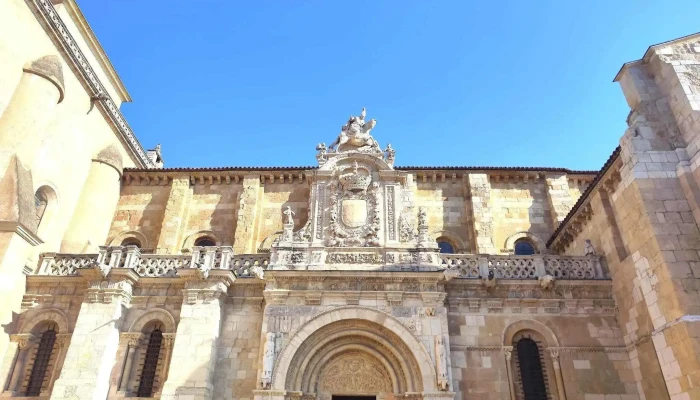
<point x="472" y="266"/>
<point x="152" y="265"/>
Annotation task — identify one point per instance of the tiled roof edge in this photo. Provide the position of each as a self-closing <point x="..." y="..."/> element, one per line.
<point x="400" y="168"/>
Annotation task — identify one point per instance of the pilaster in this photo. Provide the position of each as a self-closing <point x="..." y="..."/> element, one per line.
<point x="480" y="189"/>
<point x="246" y="225"/>
<point x="175" y="217"/>
<point x="93" y="346"/>
<point x="194" y="352"/>
<point x="560" y="201"/>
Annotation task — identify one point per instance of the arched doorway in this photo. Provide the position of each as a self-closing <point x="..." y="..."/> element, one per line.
<point x="354" y="352"/>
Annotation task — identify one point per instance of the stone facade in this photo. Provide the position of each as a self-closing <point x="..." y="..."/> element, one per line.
<point x="124" y="279"/>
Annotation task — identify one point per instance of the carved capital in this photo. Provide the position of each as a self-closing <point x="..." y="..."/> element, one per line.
<point x="23" y="340"/>
<point x="168" y="340"/>
<point x="508" y="352"/>
<point x="132" y="339"/>
<point x="553" y="354"/>
<point x="63" y="339"/>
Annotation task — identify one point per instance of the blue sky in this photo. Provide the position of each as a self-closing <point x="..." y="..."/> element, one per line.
<point x="478" y="83"/>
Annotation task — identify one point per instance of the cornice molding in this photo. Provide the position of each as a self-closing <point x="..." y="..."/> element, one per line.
<point x="22" y="231"/>
<point x="57" y="29"/>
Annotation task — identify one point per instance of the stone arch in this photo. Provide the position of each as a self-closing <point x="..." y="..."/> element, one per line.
<point x="452" y="237"/>
<point x="379" y="337"/>
<point x="536" y="241"/>
<point x="159" y="314"/>
<point x="268" y="241"/>
<point x="119" y="239"/>
<point x="529" y="325"/>
<point x="189" y="242"/>
<point x="51" y="315"/>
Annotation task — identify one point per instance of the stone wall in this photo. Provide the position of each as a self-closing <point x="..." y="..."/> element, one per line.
<point x="448" y="212"/>
<point x="140" y="209"/>
<point x="275" y="198"/>
<point x="519" y="206"/>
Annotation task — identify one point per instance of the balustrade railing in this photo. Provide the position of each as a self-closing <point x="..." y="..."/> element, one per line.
<point x="471" y="266"/>
<point x="153" y="265"/>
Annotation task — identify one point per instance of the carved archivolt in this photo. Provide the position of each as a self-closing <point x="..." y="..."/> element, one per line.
<point x="530" y="325"/>
<point x="536" y="241"/>
<point x="119" y="239"/>
<point x="50" y="315"/>
<point x="323" y="339"/>
<point x="155" y="314"/>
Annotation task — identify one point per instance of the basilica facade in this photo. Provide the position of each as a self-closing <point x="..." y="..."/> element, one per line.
<point x="355" y="278"/>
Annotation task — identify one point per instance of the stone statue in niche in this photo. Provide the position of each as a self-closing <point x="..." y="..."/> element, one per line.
<point x="321" y="156"/>
<point x="441" y="359"/>
<point x="355" y="135"/>
<point x="289" y="214"/>
<point x="390" y="155"/>
<point x="268" y="361"/>
<point x="588" y="249"/>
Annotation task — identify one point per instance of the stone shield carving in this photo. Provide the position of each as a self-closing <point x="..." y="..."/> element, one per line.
<point x="354" y="212"/>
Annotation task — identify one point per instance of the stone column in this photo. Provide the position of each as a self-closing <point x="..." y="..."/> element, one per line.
<point x="560" y="202"/>
<point x="554" y="355"/>
<point x="19" y="362"/>
<point x="93" y="347"/>
<point x="23" y="124"/>
<point x="97" y="204"/>
<point x="22" y="129"/>
<point x="171" y="237"/>
<point x="132" y="343"/>
<point x="194" y="352"/>
<point x="508" y="352"/>
<point x="246" y="225"/>
<point x="480" y="189"/>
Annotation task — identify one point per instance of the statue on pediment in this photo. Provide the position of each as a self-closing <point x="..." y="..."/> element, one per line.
<point x="355" y="135"/>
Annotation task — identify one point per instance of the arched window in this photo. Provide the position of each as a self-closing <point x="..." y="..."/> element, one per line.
<point x="40" y="203"/>
<point x="532" y="377"/>
<point x="131" y="241"/>
<point x="204" y="241"/>
<point x="445" y="246"/>
<point x="37" y="376"/>
<point x="523" y="247"/>
<point x="150" y="364"/>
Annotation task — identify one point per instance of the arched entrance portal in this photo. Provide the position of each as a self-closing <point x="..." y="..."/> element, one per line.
<point x="354" y="352"/>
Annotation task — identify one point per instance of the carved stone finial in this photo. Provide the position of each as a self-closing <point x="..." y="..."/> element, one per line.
<point x="390" y="154"/>
<point x="355" y="136"/>
<point x="322" y="155"/>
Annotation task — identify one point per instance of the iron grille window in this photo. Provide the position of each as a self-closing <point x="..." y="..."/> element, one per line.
<point x="531" y="375"/>
<point x="41" y="363"/>
<point x="150" y="364"/>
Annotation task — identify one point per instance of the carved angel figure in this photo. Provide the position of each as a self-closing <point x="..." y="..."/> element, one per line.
<point x="588" y="249"/>
<point x="356" y="132"/>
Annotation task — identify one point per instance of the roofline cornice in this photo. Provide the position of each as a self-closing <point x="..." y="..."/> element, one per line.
<point x="97" y="48"/>
<point x="58" y="32"/>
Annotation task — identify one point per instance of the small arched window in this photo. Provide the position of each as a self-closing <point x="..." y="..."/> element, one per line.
<point x="523" y="247"/>
<point x="40" y="203"/>
<point x="204" y="241"/>
<point x="532" y="377"/>
<point x="37" y="376"/>
<point x="131" y="241"/>
<point x="150" y="364"/>
<point x="445" y="246"/>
